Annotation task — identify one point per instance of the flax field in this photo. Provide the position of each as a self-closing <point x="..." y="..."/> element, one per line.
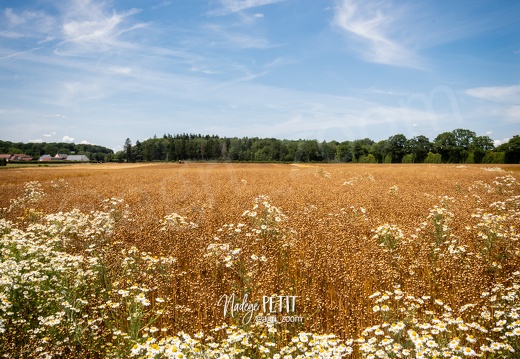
<point x="378" y="261"/>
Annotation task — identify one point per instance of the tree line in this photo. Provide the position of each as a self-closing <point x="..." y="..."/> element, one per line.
<point x="457" y="146"/>
<point x="38" y="149"/>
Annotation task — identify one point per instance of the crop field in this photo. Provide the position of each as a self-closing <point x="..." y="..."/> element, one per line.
<point x="260" y="261"/>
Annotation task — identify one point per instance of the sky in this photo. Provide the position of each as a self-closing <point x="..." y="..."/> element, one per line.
<point x="93" y="71"/>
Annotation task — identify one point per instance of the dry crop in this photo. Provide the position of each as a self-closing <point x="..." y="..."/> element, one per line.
<point x="207" y="260"/>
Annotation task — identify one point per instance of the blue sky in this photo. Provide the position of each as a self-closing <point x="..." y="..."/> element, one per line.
<point x="101" y="71"/>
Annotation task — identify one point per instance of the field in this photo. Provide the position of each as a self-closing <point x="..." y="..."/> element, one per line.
<point x="357" y="260"/>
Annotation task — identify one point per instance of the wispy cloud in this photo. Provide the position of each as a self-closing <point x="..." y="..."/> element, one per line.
<point x="92" y="26"/>
<point x="162" y="4"/>
<point x="372" y="27"/>
<point x="18" y="53"/>
<point x="56" y="115"/>
<point x="503" y="94"/>
<point x="231" y="6"/>
<point x="238" y="39"/>
<point x="504" y="101"/>
<point x="26" y="24"/>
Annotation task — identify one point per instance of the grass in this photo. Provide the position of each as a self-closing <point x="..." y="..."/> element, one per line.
<point x="383" y="261"/>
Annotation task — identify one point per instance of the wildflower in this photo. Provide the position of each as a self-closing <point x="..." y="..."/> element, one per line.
<point x="467" y="351"/>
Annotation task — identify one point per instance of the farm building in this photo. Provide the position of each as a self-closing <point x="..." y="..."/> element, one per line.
<point x="16" y="157"/>
<point x="77" y="158"/>
<point x="45" y="158"/>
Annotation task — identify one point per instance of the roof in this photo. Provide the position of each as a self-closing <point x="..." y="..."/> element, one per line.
<point x="45" y="158"/>
<point x="81" y="158"/>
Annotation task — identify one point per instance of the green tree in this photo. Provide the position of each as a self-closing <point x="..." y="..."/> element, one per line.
<point x="478" y="149"/>
<point x="378" y="150"/>
<point x="343" y="152"/>
<point x="433" y="158"/>
<point x="419" y="147"/>
<point x="396" y="147"/>
<point x="463" y="140"/>
<point x="444" y="144"/>
<point x="127" y="149"/>
<point x="137" y="151"/>
<point x="511" y="150"/>
<point x="409" y="158"/>
<point x="14" y="150"/>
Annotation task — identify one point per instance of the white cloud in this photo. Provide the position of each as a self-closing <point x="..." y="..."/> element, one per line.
<point x="513" y="112"/>
<point x="67" y="139"/>
<point x="162" y="4"/>
<point x="57" y="115"/>
<point x="231" y="6"/>
<point x="19" y="53"/>
<point x="371" y="25"/>
<point x="39" y="140"/>
<point x="500" y="142"/>
<point x="240" y="39"/>
<point x="47" y="135"/>
<point x="503" y="94"/>
<point x="121" y="70"/>
<point x="259" y="15"/>
<point x="27" y="23"/>
<point x="85" y="142"/>
<point x="92" y="26"/>
<point x="504" y="101"/>
<point x="11" y="34"/>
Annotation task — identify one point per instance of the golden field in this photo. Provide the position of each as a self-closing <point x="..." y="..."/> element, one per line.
<point x="358" y="245"/>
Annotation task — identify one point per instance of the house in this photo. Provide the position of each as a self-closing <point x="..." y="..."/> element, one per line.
<point x="45" y="158"/>
<point x="61" y="156"/>
<point x="77" y="158"/>
<point x="16" y="157"/>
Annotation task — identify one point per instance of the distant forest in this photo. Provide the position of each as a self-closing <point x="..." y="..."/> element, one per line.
<point x="457" y="146"/>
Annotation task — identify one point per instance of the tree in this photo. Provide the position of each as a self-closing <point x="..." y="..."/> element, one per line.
<point x="378" y="150"/>
<point x="419" y="147"/>
<point x="433" y="158"/>
<point x="14" y="150"/>
<point x="361" y="148"/>
<point x="127" y="149"/>
<point x="511" y="150"/>
<point x="137" y="151"/>
<point x="343" y="152"/>
<point x="328" y="150"/>
<point x="444" y="144"/>
<point x="463" y="140"/>
<point x="396" y="145"/>
<point x="478" y="148"/>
